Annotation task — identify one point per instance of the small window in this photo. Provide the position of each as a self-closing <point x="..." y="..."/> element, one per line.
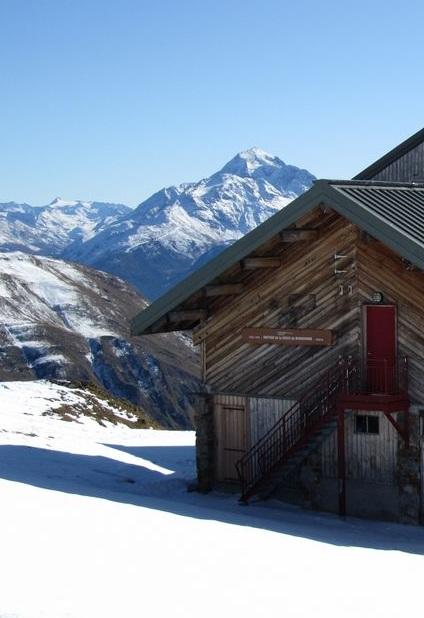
<point x="364" y="423"/>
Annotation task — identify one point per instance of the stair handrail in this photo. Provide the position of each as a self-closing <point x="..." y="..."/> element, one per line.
<point x="275" y="444"/>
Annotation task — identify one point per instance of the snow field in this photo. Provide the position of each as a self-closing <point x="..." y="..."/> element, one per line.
<point x="96" y="522"/>
<point x="69" y="555"/>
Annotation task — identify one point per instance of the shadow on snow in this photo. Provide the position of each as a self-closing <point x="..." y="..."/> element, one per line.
<point x="176" y="458"/>
<point x="136" y="484"/>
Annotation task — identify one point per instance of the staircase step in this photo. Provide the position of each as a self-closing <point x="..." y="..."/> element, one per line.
<point x="271" y="483"/>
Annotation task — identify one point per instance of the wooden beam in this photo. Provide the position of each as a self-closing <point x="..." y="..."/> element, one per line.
<point x="226" y="289"/>
<point x="295" y="234"/>
<point x="401" y="430"/>
<point x="261" y="262"/>
<point x="188" y="315"/>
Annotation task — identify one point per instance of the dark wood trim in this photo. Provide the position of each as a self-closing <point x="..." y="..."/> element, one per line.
<point x="225" y="289"/>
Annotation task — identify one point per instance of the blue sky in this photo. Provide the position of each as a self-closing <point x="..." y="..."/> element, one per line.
<point x="114" y="99"/>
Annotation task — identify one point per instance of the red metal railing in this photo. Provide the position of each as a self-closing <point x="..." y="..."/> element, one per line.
<point x="293" y="430"/>
<point x="379" y="377"/>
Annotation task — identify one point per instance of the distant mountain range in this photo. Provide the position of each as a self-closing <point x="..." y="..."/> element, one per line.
<point x="49" y="230"/>
<point x="167" y="236"/>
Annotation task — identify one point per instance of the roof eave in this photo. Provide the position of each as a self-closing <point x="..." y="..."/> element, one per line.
<point x="374" y="225"/>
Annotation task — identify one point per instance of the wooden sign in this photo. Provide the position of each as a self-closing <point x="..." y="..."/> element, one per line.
<point x="278" y="336"/>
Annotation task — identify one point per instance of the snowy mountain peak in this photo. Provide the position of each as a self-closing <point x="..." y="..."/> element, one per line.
<point x="247" y="162"/>
<point x="259" y="165"/>
<point x="56" y="201"/>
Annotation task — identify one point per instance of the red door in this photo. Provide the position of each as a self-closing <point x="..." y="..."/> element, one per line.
<point x="381" y="348"/>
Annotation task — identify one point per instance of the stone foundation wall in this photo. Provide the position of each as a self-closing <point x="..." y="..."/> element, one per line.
<point x="205" y="441"/>
<point x="409" y="473"/>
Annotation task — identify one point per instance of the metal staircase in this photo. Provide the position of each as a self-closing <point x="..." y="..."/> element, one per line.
<point x="302" y="429"/>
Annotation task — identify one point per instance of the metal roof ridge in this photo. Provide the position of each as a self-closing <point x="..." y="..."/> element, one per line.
<point x="376" y="183"/>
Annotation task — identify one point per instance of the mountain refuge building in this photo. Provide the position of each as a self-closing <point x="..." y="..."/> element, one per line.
<point x="311" y="332"/>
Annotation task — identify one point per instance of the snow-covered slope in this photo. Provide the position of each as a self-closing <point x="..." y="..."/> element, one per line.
<point x="65" y="321"/>
<point x="178" y="228"/>
<point x="87" y="406"/>
<point x="48" y="230"/>
<point x="96" y="522"/>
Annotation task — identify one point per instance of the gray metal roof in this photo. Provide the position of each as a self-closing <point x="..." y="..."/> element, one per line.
<point x="401" y="206"/>
<point x="391" y="212"/>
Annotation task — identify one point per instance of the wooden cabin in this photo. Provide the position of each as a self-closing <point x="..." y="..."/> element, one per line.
<point x="311" y="331"/>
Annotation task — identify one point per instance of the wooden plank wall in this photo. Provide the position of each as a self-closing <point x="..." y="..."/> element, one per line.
<point x="264" y="413"/>
<point x="408" y="168"/>
<point x="273" y="298"/>
<point x="369" y="457"/>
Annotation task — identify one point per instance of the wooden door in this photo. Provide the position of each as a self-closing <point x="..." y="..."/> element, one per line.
<point x="232" y="435"/>
<point x="380" y="348"/>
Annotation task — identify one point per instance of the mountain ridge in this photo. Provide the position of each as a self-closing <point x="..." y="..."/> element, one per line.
<point x="63" y="321"/>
